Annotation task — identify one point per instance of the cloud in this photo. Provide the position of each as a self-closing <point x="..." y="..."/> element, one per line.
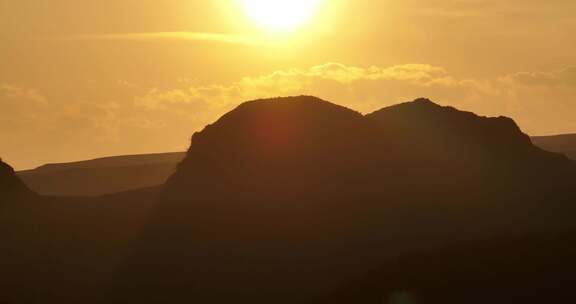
<point x="139" y="119"/>
<point x="564" y="77"/>
<point x="363" y="88"/>
<point x="417" y="73"/>
<point x="16" y="94"/>
<point x="14" y="101"/>
<point x="367" y="89"/>
<point x="167" y="36"/>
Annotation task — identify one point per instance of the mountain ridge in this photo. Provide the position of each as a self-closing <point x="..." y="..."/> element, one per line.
<point x="108" y="161"/>
<point x="11" y="187"/>
<point x="147" y="170"/>
<point x="102" y="175"/>
<point x="291" y="196"/>
<point x="284" y="200"/>
<point x="563" y="143"/>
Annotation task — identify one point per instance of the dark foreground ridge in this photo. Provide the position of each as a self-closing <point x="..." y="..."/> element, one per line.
<point x="523" y="270"/>
<point x="298" y="200"/>
<point x="11" y="187"/>
<point x="283" y="200"/>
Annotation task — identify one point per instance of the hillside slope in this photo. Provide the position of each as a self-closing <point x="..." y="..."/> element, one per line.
<point x="11" y="187"/>
<point x="58" y="250"/>
<point x="530" y="269"/>
<point x="102" y="176"/>
<point x="565" y="144"/>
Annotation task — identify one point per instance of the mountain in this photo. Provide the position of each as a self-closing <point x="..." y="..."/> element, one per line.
<point x="475" y="150"/>
<point x="123" y="173"/>
<point x="283" y="200"/>
<point x="114" y="161"/>
<point x="300" y="143"/>
<point x="446" y="130"/>
<point x="11" y="187"/>
<point x="57" y="249"/>
<point x="298" y="200"/>
<point x="102" y="176"/>
<point x="565" y="144"/>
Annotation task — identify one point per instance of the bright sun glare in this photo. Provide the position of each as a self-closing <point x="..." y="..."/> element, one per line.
<point x="280" y="15"/>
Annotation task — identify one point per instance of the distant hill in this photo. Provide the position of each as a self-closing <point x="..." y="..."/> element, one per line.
<point x="565" y="144"/>
<point x="103" y="175"/>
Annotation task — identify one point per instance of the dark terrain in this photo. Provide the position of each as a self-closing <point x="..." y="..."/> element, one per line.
<point x="529" y="269"/>
<point x="297" y="200"/>
<point x="122" y="173"/>
<point x="64" y="250"/>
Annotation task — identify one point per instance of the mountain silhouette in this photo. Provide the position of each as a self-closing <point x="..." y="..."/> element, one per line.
<point x="11" y="187"/>
<point x="298" y="200"/>
<point x="267" y="143"/>
<point x="445" y="130"/>
<point x="102" y="176"/>
<point x="113" y="161"/>
<point x="129" y="172"/>
<point x="14" y="261"/>
<point x="300" y="142"/>
<point x="565" y="144"/>
<point x="282" y="200"/>
<point x="59" y="249"/>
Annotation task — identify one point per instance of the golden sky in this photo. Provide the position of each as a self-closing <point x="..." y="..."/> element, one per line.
<point x="83" y="79"/>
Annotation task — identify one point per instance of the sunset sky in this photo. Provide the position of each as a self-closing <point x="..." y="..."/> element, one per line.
<point x="85" y="79"/>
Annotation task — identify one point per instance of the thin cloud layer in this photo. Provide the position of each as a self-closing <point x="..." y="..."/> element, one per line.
<point x="167" y="36"/>
<point x="564" y="77"/>
<point x="140" y="119"/>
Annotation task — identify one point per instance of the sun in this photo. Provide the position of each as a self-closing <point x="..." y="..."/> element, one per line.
<point x="280" y="15"/>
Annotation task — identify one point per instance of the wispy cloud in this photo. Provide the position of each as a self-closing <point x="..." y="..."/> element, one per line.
<point x="564" y="77"/>
<point x="141" y="118"/>
<point x="167" y="36"/>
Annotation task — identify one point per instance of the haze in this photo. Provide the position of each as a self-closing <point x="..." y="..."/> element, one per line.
<point x="83" y="79"/>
